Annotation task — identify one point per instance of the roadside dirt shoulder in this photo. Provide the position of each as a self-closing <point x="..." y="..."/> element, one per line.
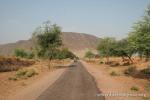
<point x="32" y="91"/>
<point x="28" y="88"/>
<point x="110" y="84"/>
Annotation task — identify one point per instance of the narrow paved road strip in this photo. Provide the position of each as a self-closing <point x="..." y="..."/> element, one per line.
<point x="75" y="84"/>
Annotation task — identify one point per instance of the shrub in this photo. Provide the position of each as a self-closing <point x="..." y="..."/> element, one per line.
<point x="20" y="53"/>
<point x="89" y="55"/>
<point x="13" y="64"/>
<point x="145" y="98"/>
<point x="64" y="53"/>
<point x="130" y="71"/>
<point x="101" y="62"/>
<point x="134" y="88"/>
<point x="14" y="78"/>
<point x="56" y="54"/>
<point x="7" y="68"/>
<point x="113" y="73"/>
<point x="30" y="73"/>
<point x="23" y="54"/>
<point x="146" y="71"/>
<point x="21" y="72"/>
<point x="30" y="55"/>
<point x="147" y="87"/>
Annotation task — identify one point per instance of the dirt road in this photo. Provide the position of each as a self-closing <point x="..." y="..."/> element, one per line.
<point x="75" y="84"/>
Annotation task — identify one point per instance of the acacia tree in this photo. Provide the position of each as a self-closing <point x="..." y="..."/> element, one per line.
<point x="89" y="55"/>
<point x="121" y="48"/>
<point x="105" y="47"/>
<point x="139" y="38"/>
<point x="48" y="39"/>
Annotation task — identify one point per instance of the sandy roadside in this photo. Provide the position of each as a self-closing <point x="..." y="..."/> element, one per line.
<point x="107" y="83"/>
<point x="31" y="92"/>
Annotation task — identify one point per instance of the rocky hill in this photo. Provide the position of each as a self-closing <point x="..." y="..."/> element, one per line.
<point x="76" y="42"/>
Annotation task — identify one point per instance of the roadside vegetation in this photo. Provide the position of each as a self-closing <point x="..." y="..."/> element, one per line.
<point x="130" y="71"/>
<point x="12" y="64"/>
<point x="126" y="60"/>
<point x="47" y="54"/>
<point x="135" y="45"/>
<point x="24" y="54"/>
<point x="134" y="88"/>
<point x="137" y="42"/>
<point x="48" y="46"/>
<point x="23" y="74"/>
<point x="89" y="55"/>
<point x="113" y="73"/>
<point x="49" y="43"/>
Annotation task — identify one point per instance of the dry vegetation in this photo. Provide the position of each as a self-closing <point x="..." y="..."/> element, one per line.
<point x="138" y="69"/>
<point x="133" y="77"/>
<point x="11" y="64"/>
<point x="17" y="73"/>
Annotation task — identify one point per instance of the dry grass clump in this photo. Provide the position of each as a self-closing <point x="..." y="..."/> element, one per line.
<point x="113" y="73"/>
<point x="147" y="87"/>
<point x="12" y="64"/>
<point x="146" y="72"/>
<point x="130" y="71"/>
<point x="23" y="74"/>
<point x="134" y="88"/>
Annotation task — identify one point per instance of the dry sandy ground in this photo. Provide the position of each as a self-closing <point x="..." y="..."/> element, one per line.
<point x="115" y="84"/>
<point x="34" y="90"/>
<point x="31" y="88"/>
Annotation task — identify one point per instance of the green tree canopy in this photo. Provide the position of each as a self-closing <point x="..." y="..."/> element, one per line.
<point x="121" y="48"/>
<point x="139" y="38"/>
<point x="105" y="46"/>
<point x="65" y="53"/>
<point x="48" y="39"/>
<point x="89" y="54"/>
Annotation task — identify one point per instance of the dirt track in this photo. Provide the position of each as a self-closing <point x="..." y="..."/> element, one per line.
<point x="75" y="84"/>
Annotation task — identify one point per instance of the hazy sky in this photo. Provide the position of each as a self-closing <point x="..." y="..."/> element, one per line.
<point x="19" y="18"/>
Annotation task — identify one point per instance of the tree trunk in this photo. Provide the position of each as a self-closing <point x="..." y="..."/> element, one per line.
<point x="123" y="59"/>
<point x="141" y="57"/>
<point x="147" y="56"/>
<point x="130" y="59"/>
<point x="49" y="66"/>
<point x="146" y="59"/>
<point x="107" y="59"/>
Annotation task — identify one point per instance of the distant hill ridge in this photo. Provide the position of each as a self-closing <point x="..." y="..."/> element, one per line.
<point x="76" y="42"/>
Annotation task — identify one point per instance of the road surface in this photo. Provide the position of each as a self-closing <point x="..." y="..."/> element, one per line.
<point x="74" y="84"/>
